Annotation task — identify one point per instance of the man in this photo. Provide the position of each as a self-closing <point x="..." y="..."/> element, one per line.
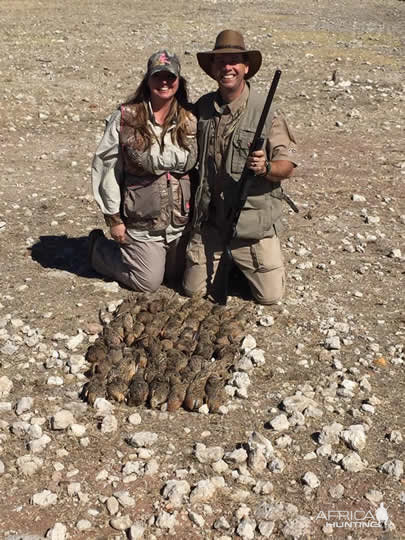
<point x="227" y="121"/>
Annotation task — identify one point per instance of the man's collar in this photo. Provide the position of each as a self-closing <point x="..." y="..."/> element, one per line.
<point x="233" y="106"/>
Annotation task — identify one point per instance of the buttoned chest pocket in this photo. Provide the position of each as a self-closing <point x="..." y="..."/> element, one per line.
<point x="240" y="149"/>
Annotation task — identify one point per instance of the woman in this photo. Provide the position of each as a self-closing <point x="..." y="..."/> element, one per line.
<point x="141" y="183"/>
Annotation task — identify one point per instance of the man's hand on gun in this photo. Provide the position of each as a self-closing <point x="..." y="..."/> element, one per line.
<point x="257" y="162"/>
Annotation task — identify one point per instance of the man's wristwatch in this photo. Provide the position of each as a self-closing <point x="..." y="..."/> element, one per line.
<point x="268" y="168"/>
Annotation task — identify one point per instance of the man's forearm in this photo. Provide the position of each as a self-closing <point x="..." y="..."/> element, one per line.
<point x="279" y="170"/>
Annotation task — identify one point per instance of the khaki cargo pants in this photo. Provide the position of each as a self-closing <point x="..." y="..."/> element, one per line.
<point x="140" y="265"/>
<point x="261" y="261"/>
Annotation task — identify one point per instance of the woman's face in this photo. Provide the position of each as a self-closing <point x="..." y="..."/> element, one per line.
<point x="163" y="86"/>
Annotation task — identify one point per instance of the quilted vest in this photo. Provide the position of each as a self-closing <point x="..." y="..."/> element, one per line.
<point x="261" y="214"/>
<point x="148" y="201"/>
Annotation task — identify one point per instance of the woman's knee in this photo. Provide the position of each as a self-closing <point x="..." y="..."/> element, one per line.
<point x="144" y="283"/>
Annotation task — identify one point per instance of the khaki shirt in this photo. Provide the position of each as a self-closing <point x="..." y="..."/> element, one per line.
<point x="280" y="145"/>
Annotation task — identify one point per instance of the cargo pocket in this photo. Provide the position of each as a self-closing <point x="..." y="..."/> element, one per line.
<point x="181" y="202"/>
<point x="142" y="202"/>
<point x="195" y="252"/>
<point x="266" y="255"/>
<point x="240" y="150"/>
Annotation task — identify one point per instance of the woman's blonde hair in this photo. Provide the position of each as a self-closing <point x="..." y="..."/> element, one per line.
<point x="179" y="114"/>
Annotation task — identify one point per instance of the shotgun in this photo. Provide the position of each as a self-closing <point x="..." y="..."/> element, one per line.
<point x="219" y="288"/>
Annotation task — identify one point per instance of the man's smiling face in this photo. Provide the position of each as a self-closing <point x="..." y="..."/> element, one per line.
<point x="229" y="70"/>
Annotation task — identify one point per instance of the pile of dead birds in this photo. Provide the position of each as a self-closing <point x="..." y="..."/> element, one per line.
<point x="165" y="352"/>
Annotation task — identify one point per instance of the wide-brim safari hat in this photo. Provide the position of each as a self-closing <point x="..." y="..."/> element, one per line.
<point x="230" y="41"/>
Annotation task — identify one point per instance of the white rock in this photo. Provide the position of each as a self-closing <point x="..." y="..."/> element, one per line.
<point x="125" y="499"/>
<point x="263" y="487"/>
<point x="112" y="506"/>
<point x="257" y="357"/>
<point x="358" y="198"/>
<point x="5" y="406"/>
<point x="336" y="492"/>
<point x="204" y="409"/>
<point x="374" y="496"/>
<point x="29" y="464"/>
<point x="197" y="519"/>
<point x="394" y="468"/>
<point x="284" y="441"/>
<point x="221" y="523"/>
<point x="354" y="437"/>
<point x="238" y="455"/>
<point x="135" y="419"/>
<point x="330" y="433"/>
<point x="24" y="404"/>
<point x="395" y="254"/>
<point x="202" y="492"/>
<point x="267" y="320"/>
<point x="246" y="528"/>
<point x="276" y="465"/>
<point x="298" y="527"/>
<point x="54" y="380"/>
<point x="280" y="423"/>
<point x="240" y="379"/>
<point x="152" y="467"/>
<point x="73" y="342"/>
<point x="2" y="467"/>
<point x="103" y="406"/>
<point x="109" y="424"/>
<point x="208" y="455"/>
<point x="35" y="431"/>
<point x="297" y="403"/>
<point x="266" y="528"/>
<point x="248" y="344"/>
<point x="324" y="450"/>
<point x="244" y="364"/>
<point x="121" y="523"/>
<point x="44" y="498"/>
<point x="73" y="488"/>
<point x="38" y="445"/>
<point x="395" y="437"/>
<point x="6" y="386"/>
<point x="220" y="466"/>
<point x="136" y="531"/>
<point x="83" y="525"/>
<point x="353" y="463"/>
<point x="141" y="439"/>
<point x="258" y="441"/>
<point x="166" y="520"/>
<point x="175" y="491"/>
<point x="62" y="420"/>
<point x="310" y="479"/>
<point x="332" y="343"/>
<point x="78" y="430"/>
<point x="58" y="532"/>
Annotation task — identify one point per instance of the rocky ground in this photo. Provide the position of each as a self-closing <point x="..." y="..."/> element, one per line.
<point x="312" y="444"/>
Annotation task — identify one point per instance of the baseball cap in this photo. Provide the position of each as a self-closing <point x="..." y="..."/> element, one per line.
<point x="164" y="60"/>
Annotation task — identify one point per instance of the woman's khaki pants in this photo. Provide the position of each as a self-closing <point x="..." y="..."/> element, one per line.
<point x="140" y="265"/>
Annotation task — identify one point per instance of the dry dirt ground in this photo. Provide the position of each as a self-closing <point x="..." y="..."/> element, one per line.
<point x="64" y="66"/>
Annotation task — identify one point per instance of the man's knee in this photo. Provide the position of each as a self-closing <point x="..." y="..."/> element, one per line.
<point x="193" y="289"/>
<point x="270" y="290"/>
<point x="268" y="299"/>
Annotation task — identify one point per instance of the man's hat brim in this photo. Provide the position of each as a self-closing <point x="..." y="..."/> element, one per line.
<point x="254" y="59"/>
